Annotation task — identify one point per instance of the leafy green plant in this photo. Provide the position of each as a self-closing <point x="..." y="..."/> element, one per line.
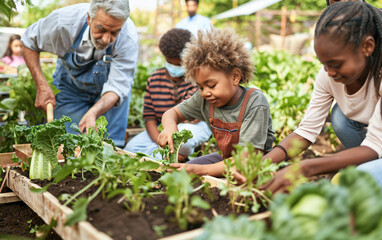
<point x="256" y="171"/>
<point x="45" y="144"/>
<point x="312" y="211"/>
<point x="179" y="187"/>
<point x="206" y="148"/>
<point x="23" y="94"/>
<point x="139" y="88"/>
<point x="12" y="133"/>
<point x="287" y="82"/>
<point x="231" y="227"/>
<point x="363" y="193"/>
<point x="178" y="139"/>
<point x="110" y="169"/>
<point x="140" y="186"/>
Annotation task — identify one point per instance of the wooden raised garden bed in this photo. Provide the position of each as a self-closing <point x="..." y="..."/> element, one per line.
<point x="48" y="207"/>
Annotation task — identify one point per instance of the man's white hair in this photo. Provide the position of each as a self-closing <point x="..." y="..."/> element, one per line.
<point x="116" y="8"/>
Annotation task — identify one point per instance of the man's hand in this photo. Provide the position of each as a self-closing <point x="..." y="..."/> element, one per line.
<point x="87" y="121"/>
<point x="104" y="104"/>
<point x="44" y="95"/>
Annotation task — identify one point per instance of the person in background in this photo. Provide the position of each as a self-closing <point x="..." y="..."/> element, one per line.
<point x="218" y="62"/>
<point x="13" y="56"/>
<point x="97" y="47"/>
<point x="194" y="21"/>
<point x="166" y="88"/>
<point x="348" y="42"/>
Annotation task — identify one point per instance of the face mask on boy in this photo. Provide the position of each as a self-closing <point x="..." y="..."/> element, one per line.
<point x="174" y="71"/>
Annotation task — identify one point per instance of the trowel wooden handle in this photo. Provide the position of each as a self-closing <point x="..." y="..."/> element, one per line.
<point x="49" y="112"/>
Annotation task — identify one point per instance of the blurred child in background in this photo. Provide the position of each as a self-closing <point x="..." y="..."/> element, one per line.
<point x="13" y="56"/>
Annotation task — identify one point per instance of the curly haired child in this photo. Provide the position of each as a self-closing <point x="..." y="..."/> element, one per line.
<point x="218" y="63"/>
<point x="165" y="88"/>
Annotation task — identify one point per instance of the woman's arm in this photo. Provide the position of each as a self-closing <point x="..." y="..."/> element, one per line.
<point x="330" y="164"/>
<point x="294" y="144"/>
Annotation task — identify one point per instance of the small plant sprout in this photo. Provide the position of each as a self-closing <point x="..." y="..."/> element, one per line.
<point x="141" y="185"/>
<point x="256" y="171"/>
<point x="178" y="138"/>
<point x="179" y="187"/>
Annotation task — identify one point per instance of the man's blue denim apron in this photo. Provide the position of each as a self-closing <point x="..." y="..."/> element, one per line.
<point x="80" y="84"/>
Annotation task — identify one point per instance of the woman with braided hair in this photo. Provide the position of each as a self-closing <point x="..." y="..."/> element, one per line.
<point x="348" y="42"/>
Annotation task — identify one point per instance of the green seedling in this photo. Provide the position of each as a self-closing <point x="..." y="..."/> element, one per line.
<point x="178" y="139"/>
<point x="256" y="171"/>
<point x="179" y="187"/>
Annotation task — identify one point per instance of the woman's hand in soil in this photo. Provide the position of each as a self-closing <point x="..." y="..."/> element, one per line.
<point x="280" y="182"/>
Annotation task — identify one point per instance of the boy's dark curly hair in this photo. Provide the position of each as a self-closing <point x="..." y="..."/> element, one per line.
<point x="173" y="42"/>
<point x="221" y="50"/>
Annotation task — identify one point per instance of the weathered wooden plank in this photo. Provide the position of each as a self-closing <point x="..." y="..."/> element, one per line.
<point x="260" y="216"/>
<point x="8" y="197"/>
<point x="5" y="160"/>
<point x="185" y="236"/>
<point x="197" y="232"/>
<point x="213" y="180"/>
<point x="48" y="208"/>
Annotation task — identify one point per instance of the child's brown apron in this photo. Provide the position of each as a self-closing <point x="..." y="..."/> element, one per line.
<point x="227" y="134"/>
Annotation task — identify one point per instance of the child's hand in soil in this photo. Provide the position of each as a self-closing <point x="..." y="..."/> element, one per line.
<point x="190" y="168"/>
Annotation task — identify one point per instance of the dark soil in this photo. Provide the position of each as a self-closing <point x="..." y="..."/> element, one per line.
<point x="111" y="216"/>
<point x="14" y="219"/>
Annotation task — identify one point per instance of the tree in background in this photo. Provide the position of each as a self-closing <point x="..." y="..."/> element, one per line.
<point x="8" y="9"/>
